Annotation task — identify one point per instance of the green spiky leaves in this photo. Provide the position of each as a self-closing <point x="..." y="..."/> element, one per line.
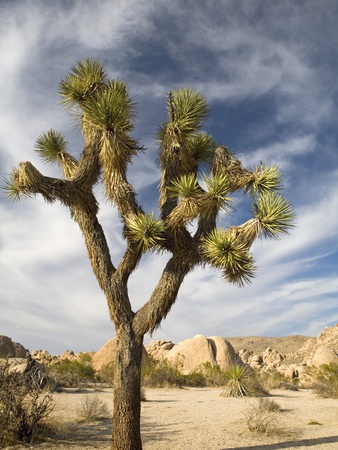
<point x="274" y="215"/>
<point x="50" y="146"/>
<point x="264" y="180"/>
<point x="145" y="231"/>
<point x="82" y="82"/>
<point x="224" y="250"/>
<point x="216" y="196"/>
<point x="187" y="109"/>
<point x="185" y="186"/>
<point x="111" y="108"/>
<point x="12" y="189"/>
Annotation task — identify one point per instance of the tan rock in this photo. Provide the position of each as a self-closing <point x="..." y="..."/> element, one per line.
<point x="158" y="349"/>
<point x="245" y="355"/>
<point x="42" y="356"/>
<point x="272" y="357"/>
<point x="223" y="352"/>
<point x="68" y="354"/>
<point x="256" y="361"/>
<point x="324" y="355"/>
<point x="106" y="355"/>
<point x="192" y="353"/>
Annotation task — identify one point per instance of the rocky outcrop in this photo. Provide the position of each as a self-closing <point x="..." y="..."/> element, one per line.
<point x="328" y="339"/>
<point x="10" y="349"/>
<point x="106" y="355"/>
<point x="42" y="356"/>
<point x="158" y="349"/>
<point x="324" y="355"/>
<point x="190" y="354"/>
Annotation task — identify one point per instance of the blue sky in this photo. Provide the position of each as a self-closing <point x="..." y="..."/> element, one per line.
<point x="269" y="71"/>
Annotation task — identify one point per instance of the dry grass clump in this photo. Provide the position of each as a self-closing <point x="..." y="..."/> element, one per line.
<point x="261" y="416"/>
<point x="92" y="409"/>
<point x="23" y="408"/>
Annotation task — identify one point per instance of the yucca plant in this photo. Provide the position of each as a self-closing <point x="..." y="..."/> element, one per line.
<point x="237" y="382"/>
<point x="197" y="179"/>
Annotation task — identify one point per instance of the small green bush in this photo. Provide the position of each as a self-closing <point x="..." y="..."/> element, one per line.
<point x="72" y="372"/>
<point x="275" y="380"/>
<point x="162" y="374"/>
<point x="213" y="375"/>
<point x="326" y="382"/>
<point x="23" y="409"/>
<point x="106" y="374"/>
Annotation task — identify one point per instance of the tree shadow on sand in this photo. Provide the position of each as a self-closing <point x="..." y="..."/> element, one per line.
<point x="289" y="444"/>
<point x="152" y="431"/>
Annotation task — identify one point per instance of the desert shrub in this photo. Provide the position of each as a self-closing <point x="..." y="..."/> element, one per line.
<point x="92" y="408"/>
<point x="261" y="416"/>
<point x="326" y="383"/>
<point x="195" y="379"/>
<point x="162" y="374"/>
<point x="72" y="372"/>
<point x="272" y="379"/>
<point x="23" y="408"/>
<point x="106" y="374"/>
<point x="242" y="381"/>
<point x="213" y="375"/>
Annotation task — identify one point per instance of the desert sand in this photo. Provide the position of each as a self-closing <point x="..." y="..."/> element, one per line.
<point x="201" y="419"/>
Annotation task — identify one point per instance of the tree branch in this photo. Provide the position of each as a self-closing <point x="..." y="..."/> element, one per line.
<point x="150" y="315"/>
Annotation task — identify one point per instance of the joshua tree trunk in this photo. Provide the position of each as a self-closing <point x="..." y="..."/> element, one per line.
<point x="127" y="391"/>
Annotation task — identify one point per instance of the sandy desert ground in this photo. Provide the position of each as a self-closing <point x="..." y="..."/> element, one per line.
<point x="201" y="419"/>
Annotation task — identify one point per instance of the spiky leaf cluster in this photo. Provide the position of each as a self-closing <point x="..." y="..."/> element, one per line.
<point x="216" y="196"/>
<point x="111" y="108"/>
<point x="52" y="148"/>
<point x="185" y="186"/>
<point x="274" y="214"/>
<point x="144" y="230"/>
<point x="187" y="109"/>
<point x="12" y="189"/>
<point x="224" y="250"/>
<point x="83" y="81"/>
<point x="265" y="179"/>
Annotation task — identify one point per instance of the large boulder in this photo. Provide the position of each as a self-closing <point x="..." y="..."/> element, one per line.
<point x="324" y="355"/>
<point x="224" y="353"/>
<point x="190" y="354"/>
<point x="106" y="355"/>
<point x="10" y="349"/>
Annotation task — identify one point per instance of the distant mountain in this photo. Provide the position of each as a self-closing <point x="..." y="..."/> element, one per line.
<point x="257" y="344"/>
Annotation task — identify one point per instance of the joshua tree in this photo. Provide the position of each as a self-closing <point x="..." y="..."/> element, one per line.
<point x="197" y="178"/>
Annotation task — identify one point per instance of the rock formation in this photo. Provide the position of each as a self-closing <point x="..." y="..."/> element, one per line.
<point x="10" y="349"/>
<point x="106" y="355"/>
<point x="190" y="354"/>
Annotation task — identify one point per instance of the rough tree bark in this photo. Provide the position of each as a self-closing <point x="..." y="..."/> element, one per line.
<point x="127" y="391"/>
